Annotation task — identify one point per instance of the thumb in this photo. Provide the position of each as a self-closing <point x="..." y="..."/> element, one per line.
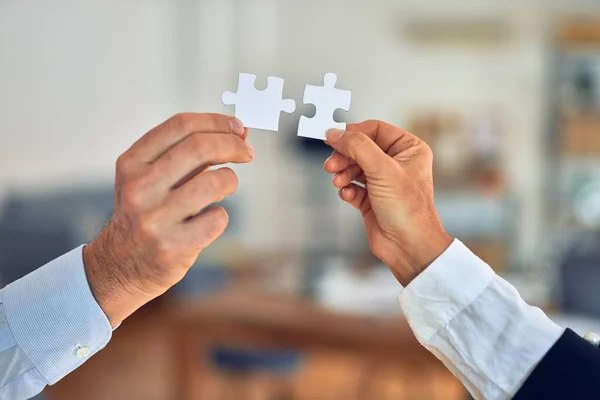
<point x="360" y="148"/>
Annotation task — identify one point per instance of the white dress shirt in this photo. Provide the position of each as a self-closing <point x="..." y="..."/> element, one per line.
<point x="458" y="308"/>
<point x="50" y="324"/>
<point x="477" y="324"/>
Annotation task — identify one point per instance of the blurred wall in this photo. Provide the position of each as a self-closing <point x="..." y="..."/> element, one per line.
<point x="80" y="81"/>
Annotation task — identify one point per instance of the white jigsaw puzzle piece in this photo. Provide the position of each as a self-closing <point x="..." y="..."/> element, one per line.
<point x="326" y="99"/>
<point x="259" y="109"/>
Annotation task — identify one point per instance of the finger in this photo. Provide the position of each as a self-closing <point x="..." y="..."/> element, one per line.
<point x="337" y="162"/>
<point x="206" y="227"/>
<point x="158" y="140"/>
<point x="344" y="178"/>
<point x="357" y="197"/>
<point x="359" y="147"/>
<point x="245" y="134"/>
<point x="390" y="138"/>
<point x="199" y="192"/>
<point x="361" y="178"/>
<point x="194" y="154"/>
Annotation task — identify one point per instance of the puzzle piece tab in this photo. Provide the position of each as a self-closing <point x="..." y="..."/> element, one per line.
<point x="326" y="99"/>
<point x="259" y="109"/>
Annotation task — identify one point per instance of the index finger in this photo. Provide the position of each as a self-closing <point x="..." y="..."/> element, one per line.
<point x="161" y="138"/>
<point x="360" y="148"/>
<point x="389" y="138"/>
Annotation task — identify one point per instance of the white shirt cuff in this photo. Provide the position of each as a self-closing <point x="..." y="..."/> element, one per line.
<point x="444" y="289"/>
<point x="54" y="317"/>
<point x="477" y="324"/>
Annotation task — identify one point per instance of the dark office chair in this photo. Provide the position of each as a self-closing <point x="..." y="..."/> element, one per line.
<point x="240" y="365"/>
<point x="36" y="229"/>
<point x="24" y="250"/>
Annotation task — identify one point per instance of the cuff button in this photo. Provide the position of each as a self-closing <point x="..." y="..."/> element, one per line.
<point x="592" y="338"/>
<point x="82" y="351"/>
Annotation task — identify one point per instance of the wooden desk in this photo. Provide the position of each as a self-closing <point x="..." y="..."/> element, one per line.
<point x="260" y="320"/>
<point x="160" y="353"/>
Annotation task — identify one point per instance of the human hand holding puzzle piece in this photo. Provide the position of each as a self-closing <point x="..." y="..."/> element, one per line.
<point x="261" y="109"/>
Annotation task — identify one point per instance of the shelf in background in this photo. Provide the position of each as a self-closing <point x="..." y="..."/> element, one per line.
<point x="473" y="214"/>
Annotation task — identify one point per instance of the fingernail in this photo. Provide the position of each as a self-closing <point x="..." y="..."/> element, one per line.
<point x="250" y="149"/>
<point x="236" y="126"/>
<point x="333" y="135"/>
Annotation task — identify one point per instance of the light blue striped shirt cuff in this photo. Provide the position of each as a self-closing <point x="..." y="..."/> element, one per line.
<point x="54" y="318"/>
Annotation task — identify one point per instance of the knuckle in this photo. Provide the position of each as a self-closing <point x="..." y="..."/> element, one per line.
<point x="427" y="151"/>
<point x="210" y="186"/>
<point x="232" y="179"/>
<point x="217" y="223"/>
<point x="238" y="147"/>
<point x="413" y="139"/>
<point x="181" y="121"/>
<point x="212" y="183"/>
<point x="233" y="144"/>
<point x="148" y="226"/>
<point x="221" y="216"/>
<point x="123" y="163"/>
<point x="424" y="152"/>
<point x="164" y="251"/>
<point x="373" y="125"/>
<point x="359" y="140"/>
<point x="354" y="171"/>
<point x="132" y="195"/>
<point x="228" y="181"/>
<point x="200" y="143"/>
<point x="238" y="143"/>
<point x="212" y="118"/>
<point x="213" y="222"/>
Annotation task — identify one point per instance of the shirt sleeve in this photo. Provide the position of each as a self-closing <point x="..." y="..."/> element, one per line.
<point x="477" y="324"/>
<point x="50" y="324"/>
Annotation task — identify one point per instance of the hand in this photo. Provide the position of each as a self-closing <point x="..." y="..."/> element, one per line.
<point x="402" y="225"/>
<point x="162" y="219"/>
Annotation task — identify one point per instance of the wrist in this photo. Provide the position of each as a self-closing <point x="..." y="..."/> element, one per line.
<point x="414" y="257"/>
<point x="105" y="278"/>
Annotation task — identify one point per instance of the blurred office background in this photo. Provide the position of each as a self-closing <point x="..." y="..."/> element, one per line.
<point x="289" y="304"/>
